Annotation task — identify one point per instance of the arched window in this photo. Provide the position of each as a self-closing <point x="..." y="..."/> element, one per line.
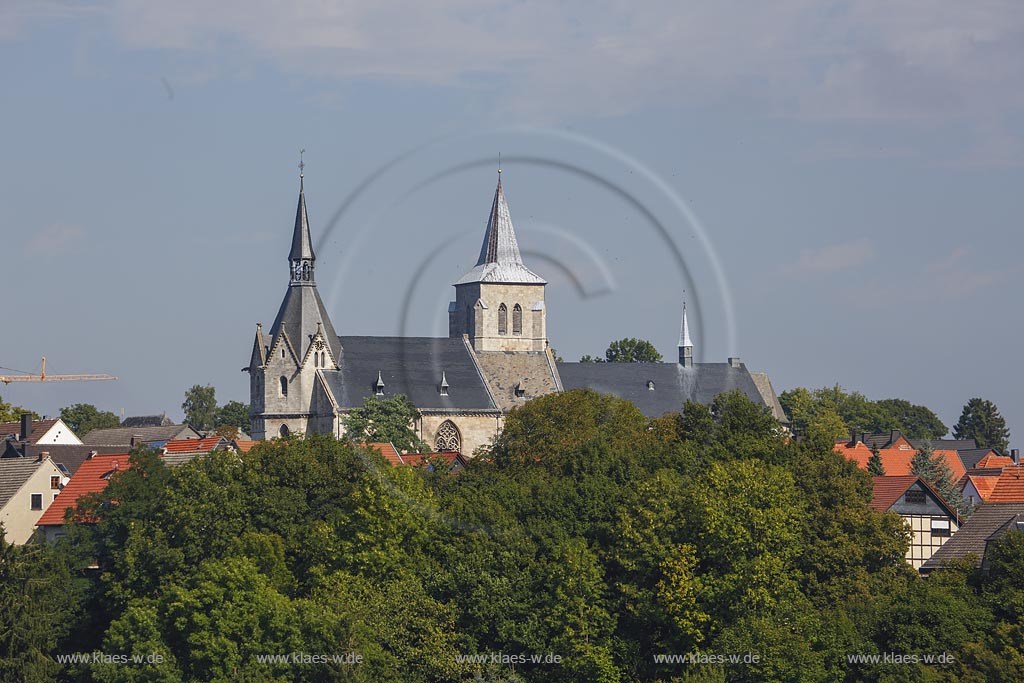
<point x="284" y="431"/>
<point x="323" y="359"/>
<point x="502" y="319"/>
<point x="284" y="387"/>
<point x="517" y="319"/>
<point x="448" y="437"/>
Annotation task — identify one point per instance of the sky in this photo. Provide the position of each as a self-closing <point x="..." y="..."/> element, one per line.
<point x="834" y="187"/>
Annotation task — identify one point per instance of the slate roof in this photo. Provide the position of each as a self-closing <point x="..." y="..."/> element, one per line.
<point x="674" y="385"/>
<point x="500" y="260"/>
<point x="302" y="245"/>
<point x="945" y="444"/>
<point x="301" y="310"/>
<point x="160" y="420"/>
<point x="972" y="456"/>
<point x="14" y="472"/>
<point x="122" y="436"/>
<point x="70" y="456"/>
<point x="92" y="476"/>
<point x="973" y="535"/>
<point x="39" y="429"/>
<point x="410" y="366"/>
<point x="768" y="395"/>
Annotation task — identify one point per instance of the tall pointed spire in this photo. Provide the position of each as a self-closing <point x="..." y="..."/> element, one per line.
<point x="301" y="255"/>
<point x="685" y="344"/>
<point x="500" y="260"/>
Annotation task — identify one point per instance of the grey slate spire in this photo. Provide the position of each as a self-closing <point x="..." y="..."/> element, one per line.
<point x="685" y="345"/>
<point x="303" y="314"/>
<point x="301" y="256"/>
<point x="500" y="260"/>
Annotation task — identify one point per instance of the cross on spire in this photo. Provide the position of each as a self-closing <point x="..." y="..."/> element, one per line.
<point x="302" y="168"/>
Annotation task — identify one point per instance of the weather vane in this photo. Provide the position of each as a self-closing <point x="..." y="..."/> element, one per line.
<point x="499" y="163"/>
<point x="302" y="164"/>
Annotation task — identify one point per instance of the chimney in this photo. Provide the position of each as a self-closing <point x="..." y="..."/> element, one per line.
<point x="734" y="362"/>
<point x="92" y="454"/>
<point x="894" y="434"/>
<point x="136" y="438"/>
<point x="44" y="456"/>
<point x="26" y="426"/>
<point x="853" y="437"/>
<point x="1015" y="455"/>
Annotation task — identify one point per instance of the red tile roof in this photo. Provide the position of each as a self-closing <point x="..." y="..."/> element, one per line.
<point x="243" y="445"/>
<point x="386" y="449"/>
<point x="39" y="428"/>
<point x="896" y="461"/>
<point x="888" y="490"/>
<point x="192" y="445"/>
<point x="419" y="458"/>
<point x="993" y="460"/>
<point x="91" y="476"/>
<point x="984" y="485"/>
<point x="1009" y="488"/>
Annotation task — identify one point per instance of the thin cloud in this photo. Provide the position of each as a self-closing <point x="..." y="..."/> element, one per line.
<point x="54" y="239"/>
<point x="833" y="258"/>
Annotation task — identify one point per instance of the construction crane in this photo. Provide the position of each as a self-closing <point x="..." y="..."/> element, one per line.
<point x="43" y="377"/>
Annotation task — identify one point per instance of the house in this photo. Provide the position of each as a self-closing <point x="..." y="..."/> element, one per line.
<point x="242" y="445"/>
<point x="454" y="462"/>
<point x="896" y="460"/>
<point x="128" y="437"/>
<point x="980" y="480"/>
<point x="92" y="476"/>
<point x="180" y="451"/>
<point x="28" y="487"/>
<point x="42" y="432"/>
<point x="988" y="523"/>
<point x="930" y="519"/>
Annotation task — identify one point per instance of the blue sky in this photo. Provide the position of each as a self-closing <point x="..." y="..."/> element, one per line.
<point x="836" y="185"/>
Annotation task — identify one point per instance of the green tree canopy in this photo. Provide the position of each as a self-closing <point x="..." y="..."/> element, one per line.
<point x="82" y="418"/>
<point x="233" y="414"/>
<point x="981" y="421"/>
<point x="12" y="413"/>
<point x="200" y="406"/>
<point x="860" y="414"/>
<point x="628" y="350"/>
<point x="385" y="419"/>
<point x="932" y="467"/>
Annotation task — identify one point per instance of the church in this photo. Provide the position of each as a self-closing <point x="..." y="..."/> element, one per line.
<point x="304" y="377"/>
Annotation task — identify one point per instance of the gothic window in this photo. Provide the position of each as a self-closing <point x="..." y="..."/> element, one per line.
<point x="448" y="437"/>
<point x="517" y="319"/>
<point x="284" y="387"/>
<point x="502" y="319"/>
<point x="284" y="431"/>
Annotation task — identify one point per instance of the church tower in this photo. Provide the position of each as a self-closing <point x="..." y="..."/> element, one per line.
<point x="301" y="342"/>
<point x="499" y="303"/>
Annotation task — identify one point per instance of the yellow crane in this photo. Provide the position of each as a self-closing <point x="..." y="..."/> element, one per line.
<point x="43" y="377"/>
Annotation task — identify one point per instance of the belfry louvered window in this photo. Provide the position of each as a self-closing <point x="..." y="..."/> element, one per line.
<point x="502" y="319"/>
<point x="517" y="319"/>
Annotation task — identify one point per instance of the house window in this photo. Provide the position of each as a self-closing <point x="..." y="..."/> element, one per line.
<point x="54" y="482"/>
<point x="55" y="495"/>
<point x="448" y="437"/>
<point x="37" y="501"/>
<point x="940" y="527"/>
<point x="517" y="319"/>
<point x="284" y="388"/>
<point x="502" y="319"/>
<point x="914" y="496"/>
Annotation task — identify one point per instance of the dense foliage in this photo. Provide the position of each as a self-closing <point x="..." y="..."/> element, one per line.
<point x="590" y="533"/>
<point x="628" y="350"/>
<point x="12" y="413"/>
<point x="203" y="413"/>
<point x="82" y="418"/>
<point x="386" y="419"/>
<point x="838" y="411"/>
<point x="982" y="421"/>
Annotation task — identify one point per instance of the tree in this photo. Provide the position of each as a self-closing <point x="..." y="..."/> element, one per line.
<point x="875" y="466"/>
<point x="200" y="406"/>
<point x="932" y="467"/>
<point x="628" y="350"/>
<point x="981" y="421"/>
<point x="233" y="414"/>
<point x="385" y="419"/>
<point x="12" y="413"/>
<point x="916" y="422"/>
<point x="82" y="418"/>
<point x="631" y="350"/>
